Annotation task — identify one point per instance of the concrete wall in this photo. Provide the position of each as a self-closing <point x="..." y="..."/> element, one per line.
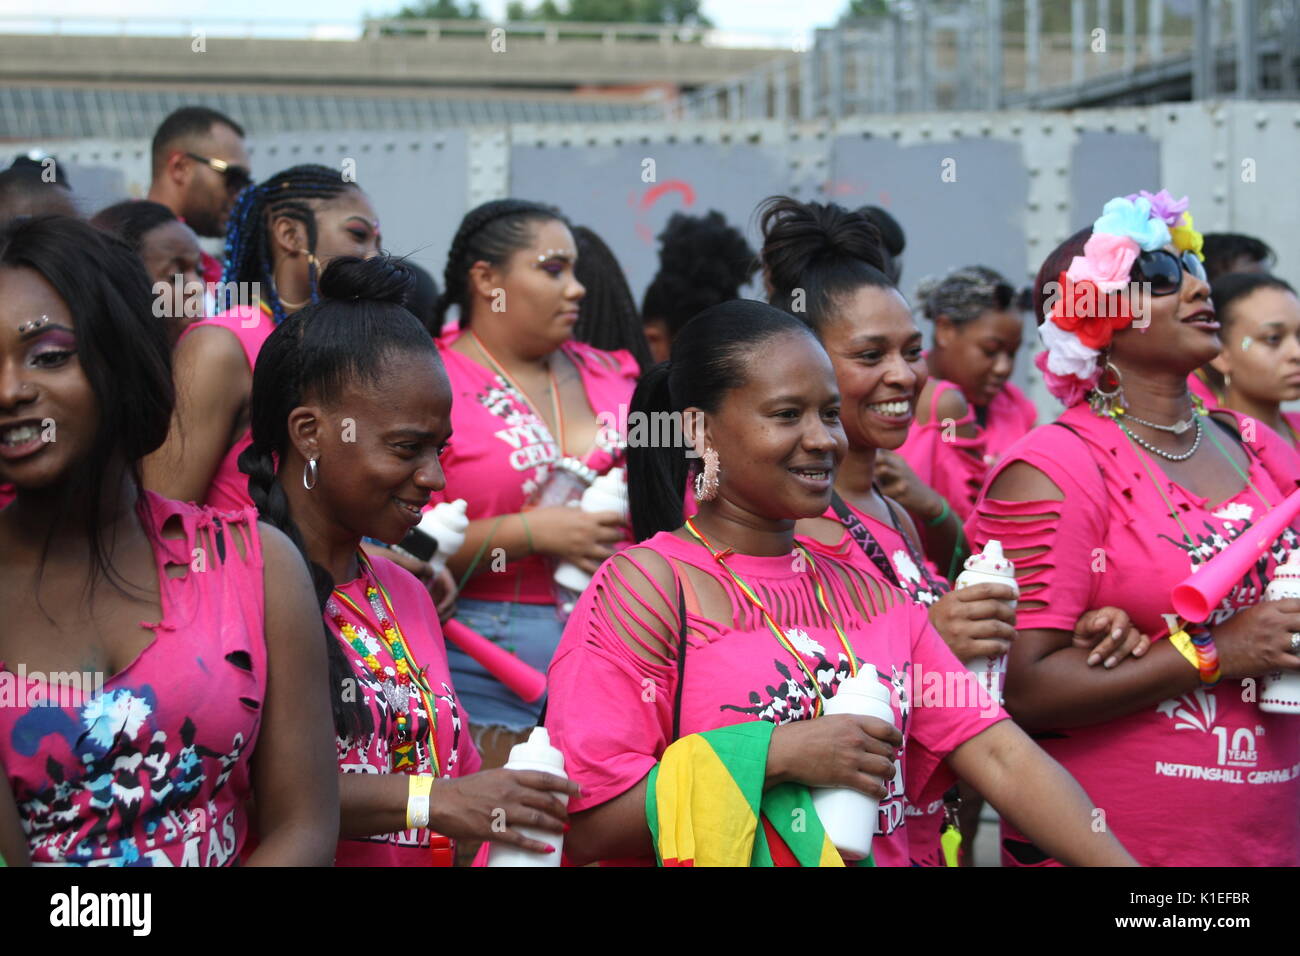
<point x="1017" y="183"/>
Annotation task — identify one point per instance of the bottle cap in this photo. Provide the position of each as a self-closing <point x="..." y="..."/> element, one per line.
<point x="867" y="683"/>
<point x="537" y="749"/>
<point x="991" y="561"/>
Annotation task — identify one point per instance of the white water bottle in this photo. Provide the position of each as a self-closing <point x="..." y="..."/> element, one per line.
<point x="607" y="493"/>
<point x="446" y="522"/>
<point x="1280" y="690"/>
<point x="991" y="567"/>
<point x="535" y="753"/>
<point x="848" y="815"/>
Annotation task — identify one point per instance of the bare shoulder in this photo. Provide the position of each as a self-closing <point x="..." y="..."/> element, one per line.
<point x="825" y="531"/>
<point x="1021" y="481"/>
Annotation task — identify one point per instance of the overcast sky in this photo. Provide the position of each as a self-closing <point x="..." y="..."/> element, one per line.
<point x="775" y="17"/>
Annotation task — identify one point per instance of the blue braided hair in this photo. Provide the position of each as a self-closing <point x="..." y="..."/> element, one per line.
<point x="248" y="244"/>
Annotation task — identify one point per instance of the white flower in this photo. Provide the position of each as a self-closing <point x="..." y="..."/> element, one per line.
<point x="1066" y="355"/>
<point x="802" y="643"/>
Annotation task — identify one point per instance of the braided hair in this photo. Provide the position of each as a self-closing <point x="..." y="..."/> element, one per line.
<point x="489" y="233"/>
<point x="351" y="335"/>
<point x="248" y="245"/>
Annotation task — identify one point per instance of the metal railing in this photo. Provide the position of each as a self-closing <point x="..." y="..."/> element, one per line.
<point x="990" y="54"/>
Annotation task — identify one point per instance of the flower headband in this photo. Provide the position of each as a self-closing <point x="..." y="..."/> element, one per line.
<point x="1086" y="310"/>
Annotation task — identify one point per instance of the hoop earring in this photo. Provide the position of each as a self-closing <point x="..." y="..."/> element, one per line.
<point x="310" y="470"/>
<point x="1108" y="394"/>
<point x="706" y="479"/>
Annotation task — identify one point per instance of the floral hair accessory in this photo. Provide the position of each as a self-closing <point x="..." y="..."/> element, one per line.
<point x="1092" y="298"/>
<point x="1163" y="205"/>
<point x="1185" y="237"/>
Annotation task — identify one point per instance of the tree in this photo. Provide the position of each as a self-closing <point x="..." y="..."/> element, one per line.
<point x="440" y="10"/>
<point x="685" y="12"/>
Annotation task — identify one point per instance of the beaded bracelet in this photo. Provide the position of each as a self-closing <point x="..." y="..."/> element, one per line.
<point x="1196" y="643"/>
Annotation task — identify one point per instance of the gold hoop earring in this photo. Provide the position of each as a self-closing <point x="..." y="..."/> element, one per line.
<point x="706" y="480"/>
<point x="310" y="470"/>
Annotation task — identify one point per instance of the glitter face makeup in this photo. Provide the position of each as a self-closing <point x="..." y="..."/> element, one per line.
<point x="33" y="325"/>
<point x="1246" y="342"/>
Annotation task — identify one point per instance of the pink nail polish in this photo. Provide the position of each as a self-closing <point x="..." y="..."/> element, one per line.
<point x="550" y="849"/>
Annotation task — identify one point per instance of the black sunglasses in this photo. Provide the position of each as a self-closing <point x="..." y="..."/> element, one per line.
<point x="1162" y="271"/>
<point x="237" y="177"/>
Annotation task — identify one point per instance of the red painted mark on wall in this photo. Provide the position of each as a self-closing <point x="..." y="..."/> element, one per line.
<point x="652" y="196"/>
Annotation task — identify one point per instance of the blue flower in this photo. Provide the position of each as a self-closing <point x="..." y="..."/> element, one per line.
<point x="1132" y="218"/>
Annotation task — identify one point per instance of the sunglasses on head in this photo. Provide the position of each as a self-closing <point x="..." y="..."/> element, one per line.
<point x="237" y="177"/>
<point x="1162" y="271"/>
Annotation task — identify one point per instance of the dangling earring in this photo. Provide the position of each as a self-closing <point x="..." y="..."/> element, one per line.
<point x="310" y="470"/>
<point x="706" y="480"/>
<point x="1108" y="394"/>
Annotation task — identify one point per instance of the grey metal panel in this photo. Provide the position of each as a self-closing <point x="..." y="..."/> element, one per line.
<point x="977" y="219"/>
<point x="1105" y="165"/>
<point x="601" y="187"/>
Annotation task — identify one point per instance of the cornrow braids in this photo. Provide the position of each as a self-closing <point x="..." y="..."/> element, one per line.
<point x="248" y="244"/>
<point x="489" y="233"/>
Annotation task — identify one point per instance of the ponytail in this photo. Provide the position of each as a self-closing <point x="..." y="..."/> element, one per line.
<point x="656" y="476"/>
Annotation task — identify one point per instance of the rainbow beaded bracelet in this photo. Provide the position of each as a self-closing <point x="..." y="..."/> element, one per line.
<point x="1196" y="643"/>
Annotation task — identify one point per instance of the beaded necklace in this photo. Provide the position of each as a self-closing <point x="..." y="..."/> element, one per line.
<point x="554" y="390"/>
<point x="756" y="601"/>
<point x="395" y="688"/>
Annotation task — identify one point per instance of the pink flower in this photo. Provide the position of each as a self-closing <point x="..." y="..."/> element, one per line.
<point x="1067" y="389"/>
<point x="1107" y="261"/>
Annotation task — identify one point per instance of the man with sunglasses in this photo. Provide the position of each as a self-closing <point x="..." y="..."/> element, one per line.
<point x="200" y="165"/>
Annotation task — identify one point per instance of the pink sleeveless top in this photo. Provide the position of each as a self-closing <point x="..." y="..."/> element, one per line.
<point x="1203" y="779"/>
<point x="415" y="615"/>
<point x="956" y="467"/>
<point x="500" y="451"/>
<point x="611" y="711"/>
<point x="153" y="769"/>
<point x="252" y="326"/>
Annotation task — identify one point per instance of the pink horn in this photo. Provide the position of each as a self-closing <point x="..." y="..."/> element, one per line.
<point x="1203" y="589"/>
<point x="528" y="682"/>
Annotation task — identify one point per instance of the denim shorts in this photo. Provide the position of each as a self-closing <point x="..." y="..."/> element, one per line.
<point x="530" y="631"/>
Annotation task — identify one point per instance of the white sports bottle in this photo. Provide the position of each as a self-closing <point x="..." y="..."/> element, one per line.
<point x="991" y="567"/>
<point x="535" y="753"/>
<point x="607" y="493"/>
<point x="447" y="523"/>
<point x="1280" y="691"/>
<point x="849" y="815"/>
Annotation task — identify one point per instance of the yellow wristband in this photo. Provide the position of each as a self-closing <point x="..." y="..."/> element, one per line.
<point x="1181" y="640"/>
<point x="417" y="801"/>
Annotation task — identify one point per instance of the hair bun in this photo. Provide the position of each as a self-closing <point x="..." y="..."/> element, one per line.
<point x="796" y="235"/>
<point x="377" y="279"/>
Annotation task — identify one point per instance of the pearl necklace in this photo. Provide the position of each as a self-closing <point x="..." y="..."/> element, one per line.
<point x="1196" y="423"/>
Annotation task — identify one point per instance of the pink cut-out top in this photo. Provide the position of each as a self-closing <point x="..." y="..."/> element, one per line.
<point x="251" y="326"/>
<point x="500" y="450"/>
<point x="924" y="815"/>
<point x="1202" y="779"/>
<point x="611" y="708"/>
<point x="415" y="615"/>
<point x="956" y="467"/>
<point x="153" y="771"/>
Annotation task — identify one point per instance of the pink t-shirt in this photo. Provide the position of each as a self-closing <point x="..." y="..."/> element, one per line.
<point x="152" y="769"/>
<point x="955" y="466"/>
<point x="251" y="326"/>
<point x="611" y="710"/>
<point x="414" y="614"/>
<point x="500" y="451"/>
<point x="1203" y="779"/>
<point x="924" y="585"/>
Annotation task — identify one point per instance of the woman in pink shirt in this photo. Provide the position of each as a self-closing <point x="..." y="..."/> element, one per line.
<point x="969" y="413"/>
<point x="1117" y="503"/>
<point x="282" y="232"/>
<point x="1259" y="367"/>
<point x="724" y="621"/>
<point x="531" y="407"/>
<point x="351" y="400"/>
<point x="832" y="256"/>
<point x="167" y="680"/>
